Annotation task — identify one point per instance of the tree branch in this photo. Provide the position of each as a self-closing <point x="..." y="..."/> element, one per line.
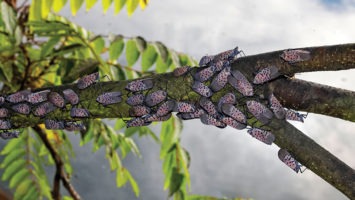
<point x="314" y="157"/>
<point x="315" y="98"/>
<point x="60" y="173"/>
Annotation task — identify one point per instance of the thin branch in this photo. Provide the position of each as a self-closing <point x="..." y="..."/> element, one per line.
<point x="60" y="172"/>
<point x="314" y="157"/>
<point x="316" y="98"/>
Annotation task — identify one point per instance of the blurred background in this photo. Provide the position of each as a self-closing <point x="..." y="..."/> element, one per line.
<point x="227" y="162"/>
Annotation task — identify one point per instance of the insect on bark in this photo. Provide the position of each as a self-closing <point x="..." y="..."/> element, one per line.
<point x="220" y="80"/>
<point x="155" y="98"/>
<point x="138" y="111"/>
<point x="290" y="161"/>
<point x="139" y="85"/>
<point x="240" y="83"/>
<point x="234" y="112"/>
<point x="156" y="118"/>
<point x="38" y="97"/>
<point x="191" y="115"/>
<point x="10" y="134"/>
<point x="4" y="112"/>
<point x="276" y="107"/>
<point x="44" y="109"/>
<point x="5" y="124"/>
<point x="137" y="122"/>
<point x="74" y="126"/>
<point x="18" y="96"/>
<point x="210" y="120"/>
<point x="260" y="112"/>
<point x="22" y="108"/>
<point x="266" y="74"/>
<point x="165" y="108"/>
<point x="208" y="106"/>
<point x="79" y="112"/>
<point x="184" y="107"/>
<point x="295" y="116"/>
<point x="205" y="60"/>
<point x="56" y="99"/>
<point x="262" y="135"/>
<point x="202" y="89"/>
<point x="181" y="71"/>
<point x="109" y="98"/>
<point x="88" y="80"/>
<point x="233" y="123"/>
<point x="228" y="98"/>
<point x="54" y="124"/>
<point x="204" y="74"/>
<point x="71" y="96"/>
<point x="295" y="55"/>
<point x="134" y="100"/>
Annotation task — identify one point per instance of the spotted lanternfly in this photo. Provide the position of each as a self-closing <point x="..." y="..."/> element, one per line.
<point x="240" y="82"/>
<point x="295" y="55"/>
<point x="71" y="96"/>
<point x="134" y="100"/>
<point x="155" y="98"/>
<point x="56" y="99"/>
<point x="38" y="97"/>
<point x="191" y="115"/>
<point x="53" y="124"/>
<point x="219" y="65"/>
<point x="165" y="108"/>
<point x="260" y="112"/>
<point x="202" y="89"/>
<point x="10" y="134"/>
<point x="156" y="118"/>
<point x="209" y="120"/>
<point x="234" y="112"/>
<point x="233" y="123"/>
<point x="228" y="98"/>
<point x="220" y="80"/>
<point x="266" y="74"/>
<point x="276" y="107"/>
<point x="109" y="98"/>
<point x="79" y="112"/>
<point x="2" y="100"/>
<point x="138" y="111"/>
<point x="264" y="136"/>
<point x="181" y="70"/>
<point x="88" y="80"/>
<point x="21" y="108"/>
<point x="74" y="126"/>
<point x="295" y="116"/>
<point x="184" y="107"/>
<point x="44" y="109"/>
<point x="4" y="112"/>
<point x="139" y="85"/>
<point x="205" y="60"/>
<point x="137" y="122"/>
<point x="18" y="96"/>
<point x="204" y="74"/>
<point x="290" y="161"/>
<point x="208" y="106"/>
<point x="5" y="124"/>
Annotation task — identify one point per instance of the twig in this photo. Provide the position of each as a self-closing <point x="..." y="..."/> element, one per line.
<point x="60" y="173"/>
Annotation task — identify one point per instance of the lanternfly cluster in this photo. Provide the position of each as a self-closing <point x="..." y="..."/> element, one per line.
<point x="43" y="102"/>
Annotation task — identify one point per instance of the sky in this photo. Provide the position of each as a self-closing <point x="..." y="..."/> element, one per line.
<point x="227" y="162"/>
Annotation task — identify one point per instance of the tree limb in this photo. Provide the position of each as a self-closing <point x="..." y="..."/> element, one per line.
<point x="60" y="173"/>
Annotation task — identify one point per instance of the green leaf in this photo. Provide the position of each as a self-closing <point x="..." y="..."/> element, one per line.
<point x="98" y="43"/>
<point x="175" y="58"/>
<point x="106" y="4"/>
<point x="13" y="156"/>
<point x="67" y="198"/>
<point x="119" y="5"/>
<point x="131" y="6"/>
<point x="175" y="181"/>
<point x="149" y="57"/>
<point x="35" y="10"/>
<point x="13" y="169"/>
<point x="130" y="131"/>
<point x="7" y="69"/>
<point x="8" y="17"/>
<point x="133" y="183"/>
<point x="23" y="188"/>
<point x="162" y="51"/>
<point x="116" y="47"/>
<point x="75" y="6"/>
<point x="58" y="5"/>
<point x="90" y="4"/>
<point x="141" y="43"/>
<point x="32" y="193"/>
<point x="161" y="66"/>
<point x="115" y="161"/>
<point x="184" y="60"/>
<point x="13" y="144"/>
<point x="46" y="8"/>
<point x="18" y="177"/>
<point x="18" y="36"/>
<point x="121" y="177"/>
<point x="120" y="124"/>
<point x="48" y="47"/>
<point x="132" y="52"/>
